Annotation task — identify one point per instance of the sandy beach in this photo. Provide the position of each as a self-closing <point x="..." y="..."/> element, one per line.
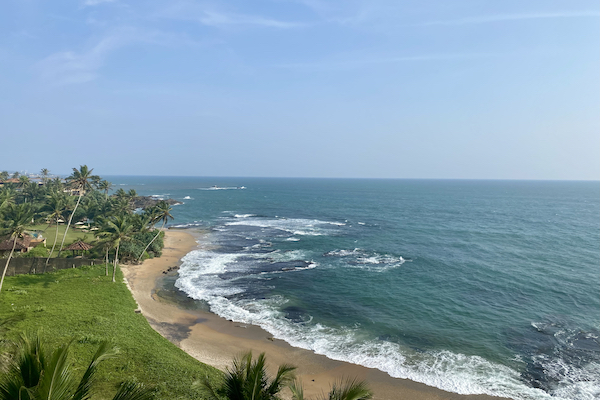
<point x="216" y="341"/>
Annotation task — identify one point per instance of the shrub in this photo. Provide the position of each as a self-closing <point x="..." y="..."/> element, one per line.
<point x="38" y="251"/>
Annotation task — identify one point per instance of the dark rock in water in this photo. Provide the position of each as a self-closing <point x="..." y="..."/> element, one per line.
<point x="296" y="314"/>
<point x="149" y="201"/>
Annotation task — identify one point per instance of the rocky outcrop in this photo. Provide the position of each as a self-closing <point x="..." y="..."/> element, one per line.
<point x="149" y="201"/>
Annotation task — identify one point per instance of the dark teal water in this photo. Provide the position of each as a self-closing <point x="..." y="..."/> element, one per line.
<point x="469" y="286"/>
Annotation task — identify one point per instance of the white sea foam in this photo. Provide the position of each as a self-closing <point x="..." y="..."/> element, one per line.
<point x="187" y="198"/>
<point x="189" y="225"/>
<point x="459" y="373"/>
<point x="296" y="226"/>
<point x="371" y="261"/>
<point x="448" y="371"/>
<point x="283" y="256"/>
<point x="244" y="215"/>
<point x="223" y="188"/>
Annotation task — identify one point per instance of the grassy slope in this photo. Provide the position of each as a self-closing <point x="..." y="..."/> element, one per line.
<point x="85" y="305"/>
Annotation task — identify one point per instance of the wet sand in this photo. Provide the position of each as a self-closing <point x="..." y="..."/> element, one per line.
<point x="216" y="341"/>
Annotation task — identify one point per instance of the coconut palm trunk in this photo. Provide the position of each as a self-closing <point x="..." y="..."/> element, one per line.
<point x="106" y="260"/>
<point x="152" y="241"/>
<point x="116" y="262"/>
<point x="69" y="223"/>
<point x="8" y="262"/>
<point x="53" y="246"/>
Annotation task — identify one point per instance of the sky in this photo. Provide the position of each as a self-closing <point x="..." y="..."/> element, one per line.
<point x="427" y="89"/>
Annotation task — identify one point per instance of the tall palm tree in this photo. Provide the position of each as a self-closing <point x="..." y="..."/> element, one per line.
<point x="56" y="205"/>
<point x="16" y="219"/>
<point x="4" y="175"/>
<point x="80" y="179"/>
<point x="345" y="389"/>
<point x="45" y="172"/>
<point x="247" y="379"/>
<point x="117" y="229"/>
<point x="37" y="374"/>
<point x="162" y="211"/>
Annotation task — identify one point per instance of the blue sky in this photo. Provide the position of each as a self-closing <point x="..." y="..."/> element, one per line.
<point x="310" y="88"/>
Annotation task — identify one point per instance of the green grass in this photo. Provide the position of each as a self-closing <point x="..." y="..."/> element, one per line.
<point x="49" y="232"/>
<point x="84" y="305"/>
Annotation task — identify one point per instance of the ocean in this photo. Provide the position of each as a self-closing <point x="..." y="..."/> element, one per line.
<point x="469" y="286"/>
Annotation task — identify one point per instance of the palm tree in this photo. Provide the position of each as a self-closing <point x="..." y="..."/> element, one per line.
<point x="23" y="181"/>
<point x="7" y="197"/>
<point x="45" y="172"/>
<point x="348" y="389"/>
<point x="80" y="179"/>
<point x="248" y="380"/>
<point x="4" y="175"/>
<point x="16" y="219"/>
<point x="105" y="186"/>
<point x="36" y="374"/>
<point x="56" y="205"/>
<point x="117" y="229"/>
<point x="162" y="211"/>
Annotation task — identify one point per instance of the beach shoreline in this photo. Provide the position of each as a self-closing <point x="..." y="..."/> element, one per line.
<point x="216" y="341"/>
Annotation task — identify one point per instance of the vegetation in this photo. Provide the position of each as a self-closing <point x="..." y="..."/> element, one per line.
<point x="34" y="373"/>
<point x="54" y="302"/>
<point x="345" y="389"/>
<point x="15" y="220"/>
<point x="247" y="379"/>
<point x="109" y="223"/>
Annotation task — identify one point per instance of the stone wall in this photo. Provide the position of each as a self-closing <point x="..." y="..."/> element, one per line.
<point x="21" y="266"/>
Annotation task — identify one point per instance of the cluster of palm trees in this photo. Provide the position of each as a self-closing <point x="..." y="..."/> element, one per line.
<point x="34" y="373"/>
<point x="82" y="196"/>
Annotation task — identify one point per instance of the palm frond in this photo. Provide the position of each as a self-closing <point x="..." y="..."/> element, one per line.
<point x="350" y="389"/>
<point x="133" y="391"/>
<point x="105" y="351"/>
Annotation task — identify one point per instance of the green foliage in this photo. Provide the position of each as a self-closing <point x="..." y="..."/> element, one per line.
<point x="247" y="379"/>
<point x="35" y="373"/>
<point x="55" y="304"/>
<point x="38" y="251"/>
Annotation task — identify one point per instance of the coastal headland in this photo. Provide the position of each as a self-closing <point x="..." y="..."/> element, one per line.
<point x="216" y="341"/>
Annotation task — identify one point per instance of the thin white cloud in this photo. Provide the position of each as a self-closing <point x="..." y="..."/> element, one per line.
<point x="216" y="19"/>
<point x="511" y="17"/>
<point x="68" y="67"/>
<point x="71" y="67"/>
<point x="366" y="61"/>
<point x="96" y="2"/>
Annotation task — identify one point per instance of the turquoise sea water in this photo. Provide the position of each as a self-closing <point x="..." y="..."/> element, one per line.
<point x="470" y="286"/>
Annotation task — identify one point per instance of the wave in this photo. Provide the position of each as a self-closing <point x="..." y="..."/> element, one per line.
<point x="370" y="260"/>
<point x="211" y="277"/>
<point x="223" y="188"/>
<point x="188" y="225"/>
<point x="187" y="198"/>
<point x="295" y="226"/>
<point x="244" y="215"/>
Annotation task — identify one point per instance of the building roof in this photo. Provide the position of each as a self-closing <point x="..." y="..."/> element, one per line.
<point x="22" y="243"/>
<point x="79" y="245"/>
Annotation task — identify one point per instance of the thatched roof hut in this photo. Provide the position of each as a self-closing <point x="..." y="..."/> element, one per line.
<point x="79" y="246"/>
